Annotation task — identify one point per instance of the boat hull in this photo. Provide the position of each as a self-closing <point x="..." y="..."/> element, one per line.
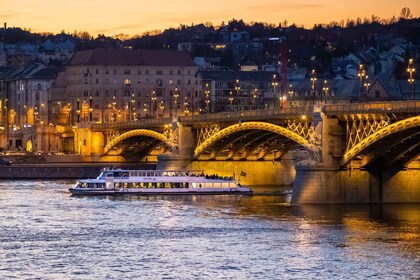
<point x="186" y="191"/>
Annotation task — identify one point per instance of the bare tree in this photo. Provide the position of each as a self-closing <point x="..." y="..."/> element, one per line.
<point x="405" y="13"/>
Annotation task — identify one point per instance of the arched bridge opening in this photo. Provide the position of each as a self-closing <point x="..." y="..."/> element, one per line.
<point x="138" y="143"/>
<point x="249" y="141"/>
<point x="390" y="149"/>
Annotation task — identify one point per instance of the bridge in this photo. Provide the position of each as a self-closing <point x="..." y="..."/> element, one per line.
<point x="341" y="153"/>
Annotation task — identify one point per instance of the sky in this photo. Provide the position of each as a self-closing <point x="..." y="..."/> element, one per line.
<point x="111" y="17"/>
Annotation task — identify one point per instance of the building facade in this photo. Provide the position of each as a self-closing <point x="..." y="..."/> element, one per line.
<point x="123" y="85"/>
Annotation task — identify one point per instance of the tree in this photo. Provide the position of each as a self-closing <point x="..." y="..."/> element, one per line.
<point x="405" y="13"/>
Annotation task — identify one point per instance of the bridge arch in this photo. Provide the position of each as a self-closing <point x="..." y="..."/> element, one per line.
<point x="378" y="135"/>
<point x="137" y="132"/>
<point x="247" y="126"/>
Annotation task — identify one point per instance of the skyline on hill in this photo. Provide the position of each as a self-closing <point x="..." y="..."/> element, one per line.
<point x="134" y="17"/>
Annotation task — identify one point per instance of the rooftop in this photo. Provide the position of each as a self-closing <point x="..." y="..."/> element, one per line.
<point x="132" y="58"/>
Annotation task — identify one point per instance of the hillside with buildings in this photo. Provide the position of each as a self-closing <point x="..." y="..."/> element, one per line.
<point x="50" y="83"/>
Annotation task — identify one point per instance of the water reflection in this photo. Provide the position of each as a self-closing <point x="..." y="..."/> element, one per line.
<point x="46" y="233"/>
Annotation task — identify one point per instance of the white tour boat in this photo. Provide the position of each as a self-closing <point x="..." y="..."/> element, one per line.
<point x="118" y="181"/>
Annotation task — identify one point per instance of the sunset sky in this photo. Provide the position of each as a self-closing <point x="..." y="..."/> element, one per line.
<point x="132" y="17"/>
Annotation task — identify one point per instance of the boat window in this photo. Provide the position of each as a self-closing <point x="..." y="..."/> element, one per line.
<point x="168" y="185"/>
<point x="134" y="174"/>
<point x="225" y="185"/>
<point x="117" y="185"/>
<point x="216" y="185"/>
<point x="184" y="185"/>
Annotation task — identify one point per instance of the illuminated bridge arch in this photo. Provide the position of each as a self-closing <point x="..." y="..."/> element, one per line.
<point x="247" y="126"/>
<point x="378" y="135"/>
<point x="137" y="132"/>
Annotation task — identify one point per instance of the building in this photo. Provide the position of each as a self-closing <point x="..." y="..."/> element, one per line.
<point x="238" y="91"/>
<point x="24" y="98"/>
<point x="122" y="85"/>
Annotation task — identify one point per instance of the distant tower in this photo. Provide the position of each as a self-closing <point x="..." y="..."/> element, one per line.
<point x="5" y="25"/>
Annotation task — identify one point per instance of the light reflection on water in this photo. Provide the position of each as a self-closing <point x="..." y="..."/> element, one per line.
<point x="47" y="234"/>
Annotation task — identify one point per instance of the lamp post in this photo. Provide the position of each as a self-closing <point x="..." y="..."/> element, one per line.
<point x="274" y="84"/>
<point x="313" y="80"/>
<point x="237" y="88"/>
<point x="152" y="103"/>
<point x="366" y="85"/>
<point x="325" y="89"/>
<point x="69" y="113"/>
<point x="176" y="95"/>
<point x="230" y="100"/>
<point x="186" y="109"/>
<point x="90" y="109"/>
<point x="207" y="95"/>
<point x="145" y="109"/>
<point x="162" y="107"/>
<point x="411" y="70"/>
<point x="132" y="110"/>
<point x="25" y="117"/>
<point x="291" y="91"/>
<point x="255" y="96"/>
<point x="361" y="73"/>
<point x="78" y="110"/>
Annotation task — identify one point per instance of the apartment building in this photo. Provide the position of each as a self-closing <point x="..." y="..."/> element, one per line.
<point x="105" y="85"/>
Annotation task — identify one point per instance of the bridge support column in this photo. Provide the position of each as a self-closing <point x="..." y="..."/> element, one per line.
<point x="184" y="155"/>
<point x="323" y="184"/>
<point x="88" y="143"/>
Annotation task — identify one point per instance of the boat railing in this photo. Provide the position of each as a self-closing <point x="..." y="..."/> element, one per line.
<point x="121" y="173"/>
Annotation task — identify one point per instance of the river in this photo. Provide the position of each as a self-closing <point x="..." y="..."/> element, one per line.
<point x="47" y="234"/>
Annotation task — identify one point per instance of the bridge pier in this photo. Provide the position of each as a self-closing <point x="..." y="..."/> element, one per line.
<point x="178" y="160"/>
<point x="329" y="184"/>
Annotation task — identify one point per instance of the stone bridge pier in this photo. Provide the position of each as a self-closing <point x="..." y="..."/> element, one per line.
<point x="328" y="181"/>
<point x="183" y="156"/>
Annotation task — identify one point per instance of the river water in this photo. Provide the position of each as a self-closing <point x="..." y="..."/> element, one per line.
<point x="47" y="234"/>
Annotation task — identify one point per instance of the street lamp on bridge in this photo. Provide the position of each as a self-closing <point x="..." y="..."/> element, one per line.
<point x="254" y="98"/>
<point x="366" y="85"/>
<point x="325" y="89"/>
<point x="237" y="88"/>
<point x="230" y="100"/>
<point x="176" y="95"/>
<point x="207" y="99"/>
<point x="411" y="70"/>
<point x="152" y="103"/>
<point x="361" y="73"/>
<point x="274" y="84"/>
<point x="313" y="80"/>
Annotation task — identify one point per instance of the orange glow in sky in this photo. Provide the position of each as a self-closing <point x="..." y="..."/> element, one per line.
<point x="133" y="17"/>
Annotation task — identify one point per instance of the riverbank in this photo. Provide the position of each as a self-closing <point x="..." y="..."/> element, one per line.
<point x="26" y="167"/>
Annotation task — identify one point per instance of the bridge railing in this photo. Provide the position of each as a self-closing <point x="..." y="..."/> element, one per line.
<point x="248" y="115"/>
<point x="379" y="107"/>
<point x="132" y="124"/>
